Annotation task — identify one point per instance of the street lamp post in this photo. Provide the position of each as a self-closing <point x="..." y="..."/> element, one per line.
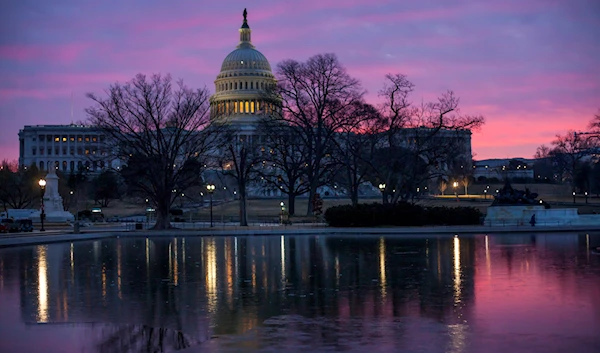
<point x="586" y="201"/>
<point x="282" y="204"/>
<point x="42" y="184"/>
<point x="455" y="185"/>
<point x="211" y="188"/>
<point x="382" y="189"/>
<point x="573" y="196"/>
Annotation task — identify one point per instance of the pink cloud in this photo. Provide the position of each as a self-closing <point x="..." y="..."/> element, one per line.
<point x="63" y="53"/>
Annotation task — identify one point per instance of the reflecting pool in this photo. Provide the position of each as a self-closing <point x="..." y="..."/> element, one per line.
<point x="483" y="293"/>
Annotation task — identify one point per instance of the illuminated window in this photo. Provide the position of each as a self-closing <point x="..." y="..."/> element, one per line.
<point x="87" y="151"/>
<point x="64" y="139"/>
<point x="247" y="107"/>
<point x="87" y="138"/>
<point x="56" y="138"/>
<point x="95" y="139"/>
<point x="79" y="138"/>
<point x="241" y="109"/>
<point x="72" y="138"/>
<point x="252" y="107"/>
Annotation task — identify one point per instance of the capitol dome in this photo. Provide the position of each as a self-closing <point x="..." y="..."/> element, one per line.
<point x="245" y="58"/>
<point x="241" y="84"/>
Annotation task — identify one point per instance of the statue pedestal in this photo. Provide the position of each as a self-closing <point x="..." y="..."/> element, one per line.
<point x="521" y="215"/>
<point x="510" y="215"/>
<point x="53" y="203"/>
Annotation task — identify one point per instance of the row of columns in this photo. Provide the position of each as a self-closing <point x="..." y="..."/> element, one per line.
<point x="246" y="106"/>
<point x="241" y="85"/>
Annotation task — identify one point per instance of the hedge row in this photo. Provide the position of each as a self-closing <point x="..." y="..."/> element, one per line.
<point x="400" y="214"/>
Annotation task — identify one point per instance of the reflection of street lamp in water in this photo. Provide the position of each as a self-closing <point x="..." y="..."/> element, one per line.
<point x="42" y="184"/>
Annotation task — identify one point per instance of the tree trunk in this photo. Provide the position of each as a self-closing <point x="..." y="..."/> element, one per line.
<point x="243" y="213"/>
<point x="311" y="197"/>
<point x="291" y="204"/>
<point x="354" y="195"/>
<point x="162" y="215"/>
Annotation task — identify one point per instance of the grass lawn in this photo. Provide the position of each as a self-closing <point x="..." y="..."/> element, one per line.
<point x="269" y="209"/>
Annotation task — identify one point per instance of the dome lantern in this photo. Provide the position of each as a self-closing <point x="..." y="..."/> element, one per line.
<point x="245" y="31"/>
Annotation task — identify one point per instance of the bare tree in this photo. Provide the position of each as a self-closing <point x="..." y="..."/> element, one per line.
<point x="568" y="152"/>
<point x="315" y="95"/>
<point x="443" y="185"/>
<point x="419" y="142"/>
<point x="18" y="185"/>
<point x="285" y="159"/>
<point x="356" y="147"/>
<point x="162" y="133"/>
<point x="240" y="159"/>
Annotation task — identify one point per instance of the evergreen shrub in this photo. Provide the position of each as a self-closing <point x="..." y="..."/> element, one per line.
<point x="400" y="214"/>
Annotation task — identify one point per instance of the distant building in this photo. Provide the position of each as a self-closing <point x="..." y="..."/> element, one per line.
<point x="500" y="169"/>
<point x="64" y="147"/>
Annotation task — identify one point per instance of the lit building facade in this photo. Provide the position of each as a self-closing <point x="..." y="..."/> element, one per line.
<point x="64" y="147"/>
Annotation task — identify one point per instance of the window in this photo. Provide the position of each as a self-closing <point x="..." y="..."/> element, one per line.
<point x="49" y="138"/>
<point x="79" y="138"/>
<point x="251" y="85"/>
<point x="246" y="85"/>
<point x="87" y="138"/>
<point x="241" y="109"/>
<point x="72" y="152"/>
<point x="79" y="165"/>
<point x="247" y="110"/>
<point x="95" y="138"/>
<point x="102" y="137"/>
<point x="41" y="151"/>
<point x="64" y="165"/>
<point x="33" y="151"/>
<point x="41" y="137"/>
<point x="56" y="165"/>
<point x="252" y="107"/>
<point x="72" y="165"/>
<point x="87" y="151"/>
<point x="56" y="138"/>
<point x="64" y="138"/>
<point x="49" y="151"/>
<point x="79" y="150"/>
<point x="64" y="151"/>
<point x="56" y="150"/>
<point x="72" y="138"/>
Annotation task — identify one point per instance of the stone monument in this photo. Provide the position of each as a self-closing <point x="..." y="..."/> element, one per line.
<point x="512" y="207"/>
<point x="53" y="203"/>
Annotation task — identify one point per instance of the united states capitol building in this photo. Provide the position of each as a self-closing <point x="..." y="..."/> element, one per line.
<point x="238" y="99"/>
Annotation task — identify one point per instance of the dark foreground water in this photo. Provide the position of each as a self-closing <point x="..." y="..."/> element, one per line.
<point x="508" y="293"/>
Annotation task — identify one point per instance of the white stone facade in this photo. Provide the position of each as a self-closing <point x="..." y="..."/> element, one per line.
<point x="64" y="147"/>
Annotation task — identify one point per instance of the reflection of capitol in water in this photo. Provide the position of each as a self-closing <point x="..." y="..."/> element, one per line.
<point x="231" y="285"/>
<point x="237" y="282"/>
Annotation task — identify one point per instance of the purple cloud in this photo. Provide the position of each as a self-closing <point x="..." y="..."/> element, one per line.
<point x="529" y="67"/>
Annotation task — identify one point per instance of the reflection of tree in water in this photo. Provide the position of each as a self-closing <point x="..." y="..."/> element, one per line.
<point x="141" y="338"/>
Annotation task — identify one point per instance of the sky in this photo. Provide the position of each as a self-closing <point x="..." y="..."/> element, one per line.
<point x="531" y="68"/>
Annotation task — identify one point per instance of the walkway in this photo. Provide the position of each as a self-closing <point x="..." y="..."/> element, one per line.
<point x="67" y="235"/>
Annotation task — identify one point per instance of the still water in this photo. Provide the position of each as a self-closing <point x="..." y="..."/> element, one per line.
<point x="504" y="293"/>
